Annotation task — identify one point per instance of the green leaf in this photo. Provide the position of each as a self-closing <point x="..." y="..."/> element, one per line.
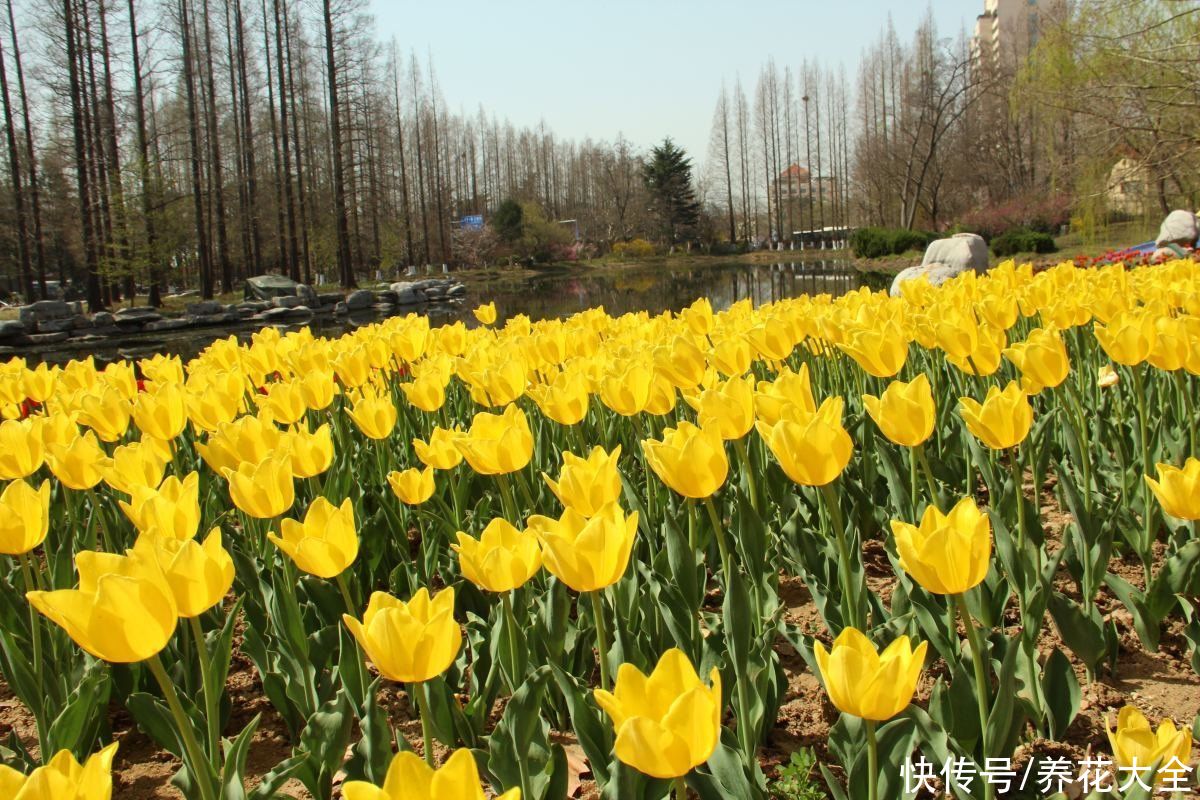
<point x="232" y="774"/>
<point x="1060" y="688"/>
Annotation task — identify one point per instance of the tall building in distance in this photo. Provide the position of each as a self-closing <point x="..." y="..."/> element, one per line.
<point x="1007" y="31"/>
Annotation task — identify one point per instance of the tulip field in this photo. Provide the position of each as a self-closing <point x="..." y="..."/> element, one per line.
<point x="560" y="558"/>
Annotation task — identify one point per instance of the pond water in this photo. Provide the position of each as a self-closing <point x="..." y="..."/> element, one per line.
<point x="547" y="294"/>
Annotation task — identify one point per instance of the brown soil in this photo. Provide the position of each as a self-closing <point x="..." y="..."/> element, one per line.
<point x="1162" y="684"/>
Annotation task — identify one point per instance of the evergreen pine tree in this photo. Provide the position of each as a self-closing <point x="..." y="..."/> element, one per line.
<point x="668" y="178"/>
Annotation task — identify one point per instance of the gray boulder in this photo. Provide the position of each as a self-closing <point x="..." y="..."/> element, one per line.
<point x="287" y="302"/>
<point x="341" y="308"/>
<point x="360" y="299"/>
<point x="457" y="290"/>
<point x="307" y="295"/>
<point x="960" y="252"/>
<point x="138" y="315"/>
<point x="406" y="293"/>
<point x="168" y="324"/>
<point x="205" y="308"/>
<point x="103" y="319"/>
<point x="1180" y="227"/>
<point x="11" y="329"/>
<point x="936" y="274"/>
<point x="44" y="310"/>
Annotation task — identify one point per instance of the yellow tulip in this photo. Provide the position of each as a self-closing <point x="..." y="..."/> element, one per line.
<point x="122" y="612"/>
<point x="681" y="361"/>
<point x="1129" y="337"/>
<point x="865" y="683"/>
<point x="247" y="440"/>
<point x="731" y="355"/>
<point x="106" y="412"/>
<point x="374" y="414"/>
<point x="1107" y="377"/>
<point x="22" y="451"/>
<point x="774" y="399"/>
<point x="1003" y="419"/>
<point x="497" y="444"/>
<point x="410" y="778"/>
<point x="38" y="383"/>
<point x="880" y="350"/>
<point x="311" y="452"/>
<point x="263" y="490"/>
<point x="1042" y="359"/>
<point x="486" y="313"/>
<point x="565" y="399"/>
<point x="588" y="484"/>
<point x="173" y="508"/>
<point x="161" y="413"/>
<point x="1178" y="490"/>
<point x="79" y="464"/>
<point x="199" y="575"/>
<point x="587" y="554"/>
<point x="326" y="543"/>
<point x="1136" y="745"/>
<point x="284" y="402"/>
<point x="427" y="393"/>
<point x="136" y="464"/>
<point x="690" y="460"/>
<point x="24" y="517"/>
<point x="501" y="559"/>
<point x="948" y="553"/>
<point x="62" y="778"/>
<point x="813" y="449"/>
<point x="409" y="642"/>
<point x="726" y="407"/>
<point x="667" y="724"/>
<point x="412" y="486"/>
<point x="1172" y="344"/>
<point x="626" y="390"/>
<point x="318" y="389"/>
<point x="905" y="412"/>
<point x="439" y="452"/>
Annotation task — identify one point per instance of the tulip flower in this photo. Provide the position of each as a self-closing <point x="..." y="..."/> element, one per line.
<point x="813" y="449"/>
<point x="38" y="383"/>
<point x="1129" y="337"/>
<point x="1178" y="489"/>
<point x="626" y="389"/>
<point x="565" y="399"/>
<point x="440" y="452"/>
<point x="726" y="407"/>
<point x="409" y="642"/>
<point x="587" y="554"/>
<point x="774" y="399"/>
<point x="326" y="543"/>
<point x="140" y="464"/>
<point x="668" y="723"/>
<point x="412" y="486"/>
<point x="24" y="517"/>
<point x="949" y="553"/>
<point x="497" y="444"/>
<point x="263" y="490"/>
<point x="688" y="459"/>
<point x="427" y="393"/>
<point x="870" y="685"/>
<point x="1042" y="359"/>
<point x="173" y="508"/>
<point x="106" y="412"/>
<point x="588" y="484"/>
<point x="62" y="778"/>
<point x="199" y="575"/>
<point x="21" y="448"/>
<point x="162" y="413"/>
<point x="318" y="389"/>
<point x="1137" y="746"/>
<point x="79" y="464"/>
<point x="731" y="355"/>
<point x="248" y="440"/>
<point x="905" y="412"/>
<point x="123" y="611"/>
<point x="880" y="350"/>
<point x="374" y="414"/>
<point x="410" y="778"/>
<point x="865" y="683"/>
<point x="1002" y="420"/>
<point x="284" y="402"/>
<point x="486" y="313"/>
<point x="501" y="559"/>
<point x="1107" y="377"/>
<point x="311" y="452"/>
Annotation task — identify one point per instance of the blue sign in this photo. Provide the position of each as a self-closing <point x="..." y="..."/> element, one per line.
<point x="472" y="222"/>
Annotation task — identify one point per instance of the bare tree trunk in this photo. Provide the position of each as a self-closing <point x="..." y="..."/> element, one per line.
<point x="202" y="255"/>
<point x="293" y="262"/>
<point x="251" y="169"/>
<point x="155" y="277"/>
<point x="302" y="194"/>
<point x="243" y="210"/>
<point x="214" y="144"/>
<point x="408" y="238"/>
<point x="280" y="224"/>
<point x="14" y="163"/>
<point x="335" y="130"/>
<point x="39" y="248"/>
<point x="81" y="163"/>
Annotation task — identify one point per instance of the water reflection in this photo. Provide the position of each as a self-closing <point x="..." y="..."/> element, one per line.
<point x="549" y="294"/>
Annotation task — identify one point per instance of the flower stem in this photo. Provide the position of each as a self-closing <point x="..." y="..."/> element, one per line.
<point x="511" y="621"/>
<point x="981" y="686"/>
<point x="752" y="485"/>
<point x="1147" y="553"/>
<point x="35" y="633"/>
<point x="872" y="762"/>
<point x="681" y="788"/>
<point x="418" y="691"/>
<point x="934" y="496"/>
<point x="719" y="533"/>
<point x="849" y="590"/>
<point x="191" y="747"/>
<point x="601" y="638"/>
<point x="210" y="705"/>
<point x="352" y="610"/>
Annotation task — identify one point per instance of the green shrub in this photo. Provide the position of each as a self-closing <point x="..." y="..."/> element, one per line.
<point x="1023" y="240"/>
<point x="635" y="248"/>
<point x="796" y="778"/>
<point x="879" y="242"/>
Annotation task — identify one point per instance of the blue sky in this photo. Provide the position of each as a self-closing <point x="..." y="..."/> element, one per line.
<point x="644" y="68"/>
